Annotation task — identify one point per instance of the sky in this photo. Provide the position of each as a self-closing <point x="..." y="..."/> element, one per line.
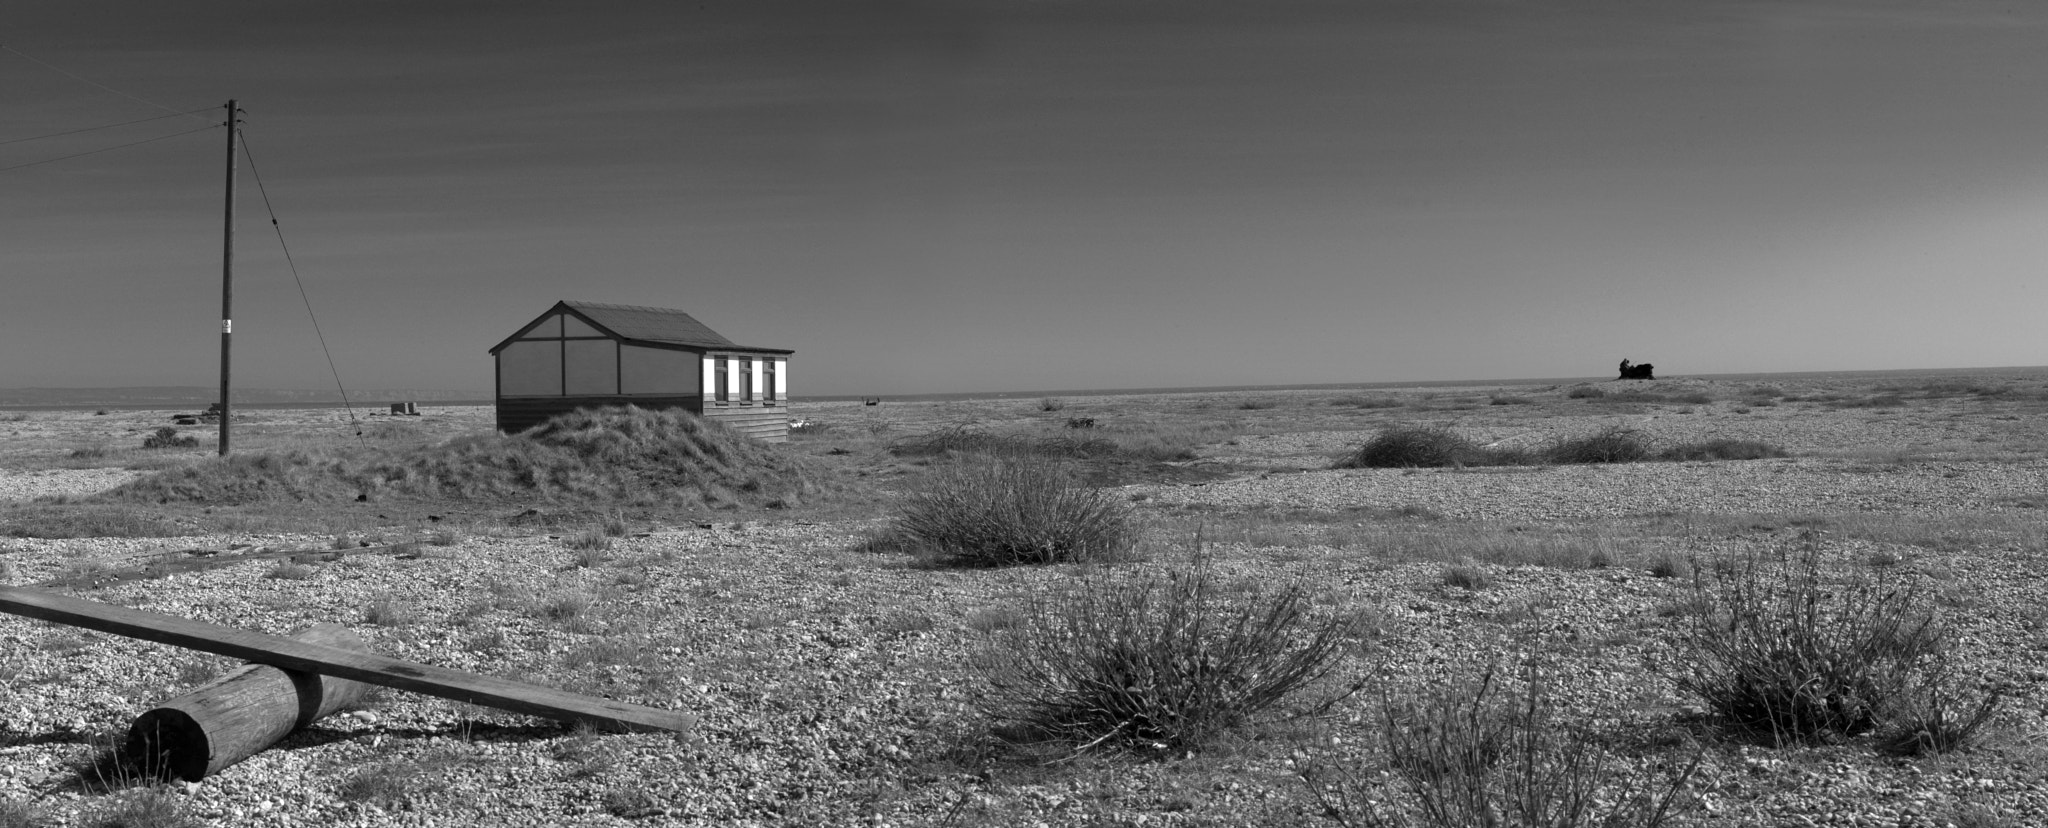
<point x="1013" y="195"/>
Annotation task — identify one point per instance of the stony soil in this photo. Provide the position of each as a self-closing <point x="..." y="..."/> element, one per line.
<point x="834" y="685"/>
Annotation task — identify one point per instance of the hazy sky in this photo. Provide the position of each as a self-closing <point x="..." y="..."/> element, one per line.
<point x="1035" y="194"/>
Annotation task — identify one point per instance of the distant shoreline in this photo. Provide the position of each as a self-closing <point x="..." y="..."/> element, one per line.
<point x="85" y="401"/>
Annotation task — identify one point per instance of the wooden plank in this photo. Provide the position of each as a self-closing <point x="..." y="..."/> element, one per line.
<point x="369" y="668"/>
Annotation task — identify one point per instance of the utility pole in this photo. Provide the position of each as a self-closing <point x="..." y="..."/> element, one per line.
<point x="227" y="279"/>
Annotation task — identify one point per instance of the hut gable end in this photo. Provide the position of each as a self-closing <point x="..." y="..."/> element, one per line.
<point x="589" y="354"/>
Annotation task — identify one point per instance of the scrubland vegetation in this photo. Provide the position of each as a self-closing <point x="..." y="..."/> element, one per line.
<point x="1380" y="664"/>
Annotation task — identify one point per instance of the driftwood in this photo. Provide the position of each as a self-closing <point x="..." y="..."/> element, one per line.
<point x="304" y="656"/>
<point x="240" y="714"/>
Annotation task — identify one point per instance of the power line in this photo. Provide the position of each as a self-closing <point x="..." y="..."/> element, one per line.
<point x="108" y="126"/>
<point x="110" y="149"/>
<point x="294" y="265"/>
<point x="89" y="81"/>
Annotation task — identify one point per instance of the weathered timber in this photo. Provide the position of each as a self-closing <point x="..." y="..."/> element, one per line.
<point x="370" y="668"/>
<point x="243" y="712"/>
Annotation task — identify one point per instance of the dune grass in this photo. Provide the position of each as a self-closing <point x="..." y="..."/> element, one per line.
<point x="592" y="458"/>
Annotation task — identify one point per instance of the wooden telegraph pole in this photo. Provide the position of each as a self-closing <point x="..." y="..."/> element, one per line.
<point x="227" y="280"/>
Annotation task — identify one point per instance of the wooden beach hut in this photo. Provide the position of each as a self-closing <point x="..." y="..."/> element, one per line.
<point x="587" y="354"/>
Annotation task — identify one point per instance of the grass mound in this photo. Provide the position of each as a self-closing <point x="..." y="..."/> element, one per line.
<point x="621" y="456"/>
<point x="1722" y="449"/>
<point x="1414" y="447"/>
<point x="1408" y="447"/>
<point x="1613" y="445"/>
<point x="1018" y="510"/>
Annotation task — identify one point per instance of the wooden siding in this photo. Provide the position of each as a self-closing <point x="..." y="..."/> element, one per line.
<point x="516" y="414"/>
<point x="768" y="424"/>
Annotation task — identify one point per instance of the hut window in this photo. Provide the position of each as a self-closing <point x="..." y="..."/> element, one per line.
<point x="724" y="390"/>
<point x="768" y="380"/>
<point x="747" y="380"/>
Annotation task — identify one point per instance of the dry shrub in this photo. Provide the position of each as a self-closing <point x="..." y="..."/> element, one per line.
<point x="1020" y="510"/>
<point x="1158" y="662"/>
<point x="1786" y="652"/>
<point x="1612" y="445"/>
<point x="1414" y="447"/>
<point x="1482" y="755"/>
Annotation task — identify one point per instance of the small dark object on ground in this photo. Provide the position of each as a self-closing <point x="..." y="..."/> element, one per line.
<point x="1080" y="422"/>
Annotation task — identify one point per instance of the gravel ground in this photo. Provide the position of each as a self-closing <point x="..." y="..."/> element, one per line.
<point x="833" y="685"/>
<point x="18" y="485"/>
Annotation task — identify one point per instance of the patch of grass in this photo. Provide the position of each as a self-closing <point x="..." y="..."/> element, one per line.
<point x="1414" y="447"/>
<point x="291" y="571"/>
<point x="590" y="548"/>
<point x="389" y="785"/>
<point x="1787" y="651"/>
<point x="1051" y="404"/>
<point x="1669" y="565"/>
<point x="1466" y="575"/>
<point x="1003" y="512"/>
<point x="1480" y="754"/>
<point x="387" y="611"/>
<point x="1585" y="392"/>
<point x="1256" y="405"/>
<point x="153" y="806"/>
<point x="168" y="437"/>
<point x="1157" y="662"/>
<point x="1509" y="399"/>
<point x="567" y="606"/>
<point x="1937" y="717"/>
<point x="1612" y="445"/>
<point x="445" y="536"/>
<point x="193" y="672"/>
<point x="15" y="813"/>
<point x="85" y="520"/>
<point x="1721" y="449"/>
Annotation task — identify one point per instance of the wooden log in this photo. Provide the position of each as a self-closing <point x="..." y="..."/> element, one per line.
<point x="238" y="715"/>
<point x="370" y="668"/>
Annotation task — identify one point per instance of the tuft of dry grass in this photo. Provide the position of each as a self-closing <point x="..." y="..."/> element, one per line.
<point x="1003" y="512"/>
<point x="1157" y="662"/>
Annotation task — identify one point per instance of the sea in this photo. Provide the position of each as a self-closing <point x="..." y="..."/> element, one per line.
<point x="197" y="398"/>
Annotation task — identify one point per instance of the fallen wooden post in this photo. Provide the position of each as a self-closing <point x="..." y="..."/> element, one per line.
<point x="238" y="715"/>
<point x="369" y="668"/>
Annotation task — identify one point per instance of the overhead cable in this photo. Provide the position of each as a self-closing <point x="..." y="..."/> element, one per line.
<point x="47" y="65"/>
<point x="110" y="149"/>
<point x="294" y="265"/>
<point x="91" y="129"/>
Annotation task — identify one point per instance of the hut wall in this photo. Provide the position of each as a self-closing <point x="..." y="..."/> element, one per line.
<point x="769" y="424"/>
<point x="516" y="414"/>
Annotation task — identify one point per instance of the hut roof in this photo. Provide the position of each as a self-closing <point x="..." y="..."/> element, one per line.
<point x="664" y="326"/>
<point x="651" y="324"/>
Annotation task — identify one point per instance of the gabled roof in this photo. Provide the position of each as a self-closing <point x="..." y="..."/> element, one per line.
<point x="673" y="327"/>
<point x="636" y="323"/>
